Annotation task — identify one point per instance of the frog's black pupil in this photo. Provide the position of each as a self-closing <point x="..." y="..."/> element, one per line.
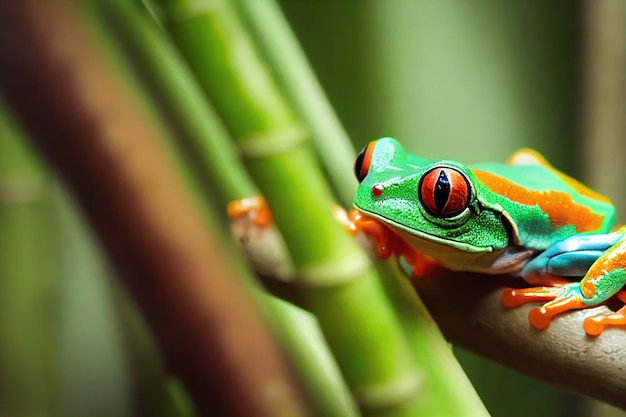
<point x="358" y="165"/>
<point x="442" y="191"/>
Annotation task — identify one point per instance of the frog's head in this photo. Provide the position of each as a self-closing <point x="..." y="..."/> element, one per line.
<point x="431" y="203"/>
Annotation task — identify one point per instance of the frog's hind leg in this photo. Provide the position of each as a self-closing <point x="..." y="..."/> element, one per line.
<point x="601" y="259"/>
<point x="604" y="279"/>
<point x="569" y="258"/>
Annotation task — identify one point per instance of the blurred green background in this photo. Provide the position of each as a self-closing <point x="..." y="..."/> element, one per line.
<point x="471" y="81"/>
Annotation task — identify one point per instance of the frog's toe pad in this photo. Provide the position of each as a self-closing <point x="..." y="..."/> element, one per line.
<point x="539" y="318"/>
<point x="253" y="207"/>
<point x="594" y="326"/>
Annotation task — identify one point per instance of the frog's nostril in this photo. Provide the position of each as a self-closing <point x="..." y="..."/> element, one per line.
<point x="377" y="190"/>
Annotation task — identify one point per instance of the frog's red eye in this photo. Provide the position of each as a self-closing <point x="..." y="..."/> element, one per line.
<point x="444" y="192"/>
<point x="362" y="161"/>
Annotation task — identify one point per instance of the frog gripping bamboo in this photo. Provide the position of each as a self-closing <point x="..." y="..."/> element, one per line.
<point x="523" y="217"/>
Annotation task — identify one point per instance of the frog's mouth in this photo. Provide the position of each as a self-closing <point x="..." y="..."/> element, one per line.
<point x="459" y="256"/>
<point x="416" y="237"/>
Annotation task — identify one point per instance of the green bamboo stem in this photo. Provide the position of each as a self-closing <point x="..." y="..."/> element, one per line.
<point x="65" y="91"/>
<point x="175" y="90"/>
<point x="242" y="119"/>
<point x="300" y="336"/>
<point x="287" y="61"/>
<point x="357" y="320"/>
<point x="89" y="322"/>
<point x="292" y="70"/>
<point x="432" y="351"/>
<point x="28" y="325"/>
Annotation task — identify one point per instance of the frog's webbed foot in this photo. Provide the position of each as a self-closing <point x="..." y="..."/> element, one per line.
<point x="387" y="243"/>
<point x="601" y="259"/>
<point x="559" y="299"/>
<point x="259" y="240"/>
<point x="256" y="207"/>
<point x="594" y="326"/>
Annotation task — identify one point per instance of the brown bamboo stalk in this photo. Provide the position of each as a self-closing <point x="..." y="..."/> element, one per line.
<point x="82" y="118"/>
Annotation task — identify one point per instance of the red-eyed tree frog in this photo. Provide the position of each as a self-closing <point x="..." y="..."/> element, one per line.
<point x="524" y="218"/>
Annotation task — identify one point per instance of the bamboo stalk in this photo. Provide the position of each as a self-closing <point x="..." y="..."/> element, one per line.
<point x="288" y="62"/>
<point x="87" y="124"/>
<point x="173" y="87"/>
<point x="197" y="127"/>
<point x="356" y="318"/>
<point x="293" y="72"/>
<point x="270" y="138"/>
<point x="89" y="324"/>
<point x="300" y="336"/>
<point x="28" y="324"/>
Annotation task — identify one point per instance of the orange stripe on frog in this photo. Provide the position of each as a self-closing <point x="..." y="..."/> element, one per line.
<point x="580" y="188"/>
<point x="559" y="206"/>
<point x="577" y="186"/>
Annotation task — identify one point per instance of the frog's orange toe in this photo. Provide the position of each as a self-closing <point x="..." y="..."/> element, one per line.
<point x="262" y="218"/>
<point x="512" y="297"/>
<point x="539" y="318"/>
<point x="557" y="301"/>
<point x="594" y="326"/>
<point x="256" y="207"/>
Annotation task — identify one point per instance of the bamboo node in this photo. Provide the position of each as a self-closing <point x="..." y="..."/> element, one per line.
<point x="337" y="272"/>
<point x="271" y="144"/>
<point x="394" y="393"/>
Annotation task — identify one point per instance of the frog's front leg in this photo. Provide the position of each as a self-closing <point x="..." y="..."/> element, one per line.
<point x="254" y="206"/>
<point x="601" y="259"/>
<point x="387" y="243"/>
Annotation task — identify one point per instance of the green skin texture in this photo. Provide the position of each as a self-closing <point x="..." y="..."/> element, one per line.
<point x="496" y="235"/>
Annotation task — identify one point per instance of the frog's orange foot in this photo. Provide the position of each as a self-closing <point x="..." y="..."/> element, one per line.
<point x="256" y="207"/>
<point x="594" y="326"/>
<point x="386" y="243"/>
<point x="541" y="317"/>
<point x="560" y="299"/>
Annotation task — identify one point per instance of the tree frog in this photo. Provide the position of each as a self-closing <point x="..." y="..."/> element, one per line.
<point x="523" y="218"/>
